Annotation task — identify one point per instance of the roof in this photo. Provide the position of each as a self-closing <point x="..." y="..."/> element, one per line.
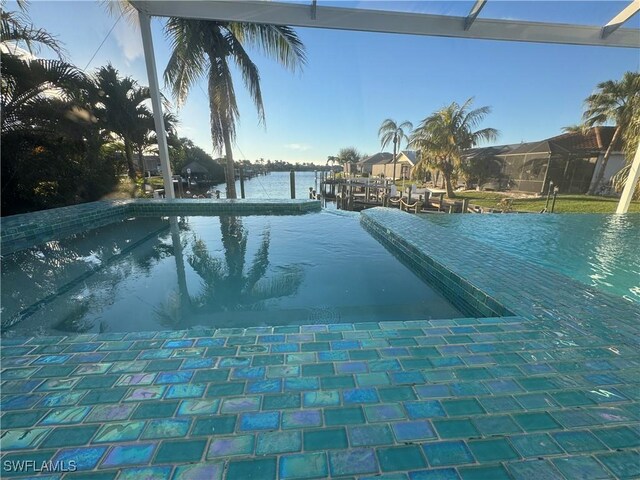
<point x="595" y="140"/>
<point x="195" y="168"/>
<point x="381" y="157"/>
<point x="411" y="155"/>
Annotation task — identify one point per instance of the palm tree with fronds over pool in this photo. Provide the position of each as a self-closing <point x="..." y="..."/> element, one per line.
<point x="613" y="102"/>
<point x="392" y="132"/>
<point x="202" y="48"/>
<point x="443" y="136"/>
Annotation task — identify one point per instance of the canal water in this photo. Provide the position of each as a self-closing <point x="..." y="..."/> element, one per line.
<point x="274" y="185"/>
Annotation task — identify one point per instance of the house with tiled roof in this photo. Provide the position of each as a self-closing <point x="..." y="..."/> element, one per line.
<point x="571" y="161"/>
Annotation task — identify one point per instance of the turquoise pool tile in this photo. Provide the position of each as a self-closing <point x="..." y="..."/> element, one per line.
<point x="283" y="371"/>
<point x="494" y="450"/>
<point x="298" y="384"/>
<point x="248" y="373"/>
<point x="303" y="466"/>
<point x="538" y="469"/>
<point x="320" y="369"/>
<point x="166" y="428"/>
<point x="145" y="473"/>
<point x="154" y="410"/>
<point x="401" y="458"/>
<point x="624" y="465"/>
<point x="581" y="467"/>
<point x="283" y="401"/>
<point x="208" y="471"/>
<point x="301" y="419"/>
<point x="264" y="469"/>
<point x="225" y="389"/>
<point x="325" y="439"/>
<point x="618" y="437"/>
<point x="68" y="436"/>
<point x="183" y="376"/>
<point x="424" y="409"/>
<point x="372" y="379"/>
<point x="434" y="474"/>
<point x="259" y="421"/>
<point x="216" y="425"/>
<point x="23" y="439"/>
<point x="352" y="462"/>
<point x="338" y="381"/>
<point x="442" y="454"/>
<point x="384" y="413"/>
<point x="494" y="472"/>
<point x="22" y="418"/>
<point x="227" y="446"/>
<point x="265" y="386"/>
<point x="370" y="435"/>
<point x="326" y="398"/>
<point x="457" y="428"/>
<point x="532" y="422"/>
<point x="269" y="443"/>
<point x="578" y="441"/>
<point x="145" y="393"/>
<point x="199" y="407"/>
<point x="123" y="455"/>
<point x="180" y="451"/>
<point x="119" y="432"/>
<point x="396" y="394"/>
<point x="408" y="431"/>
<point x="535" y="445"/>
<point x="66" y="416"/>
<point x="496" y="425"/>
<point x="189" y="390"/>
<point x="344" y="416"/>
<point x="432" y="391"/>
<point x="462" y="407"/>
<point x="240" y="404"/>
<point x="84" y="458"/>
<point x="360" y="395"/>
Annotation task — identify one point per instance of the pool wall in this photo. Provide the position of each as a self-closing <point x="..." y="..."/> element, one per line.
<point x="25" y="230"/>
<point x="487" y="278"/>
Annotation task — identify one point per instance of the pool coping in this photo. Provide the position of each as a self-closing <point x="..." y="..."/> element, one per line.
<point x="487" y="278"/>
<point x="24" y="230"/>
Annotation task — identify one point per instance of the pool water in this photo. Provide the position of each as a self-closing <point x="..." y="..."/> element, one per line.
<point x="599" y="250"/>
<point x="180" y="272"/>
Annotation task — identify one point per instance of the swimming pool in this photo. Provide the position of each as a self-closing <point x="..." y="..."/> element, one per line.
<point x="602" y="251"/>
<point x="158" y="273"/>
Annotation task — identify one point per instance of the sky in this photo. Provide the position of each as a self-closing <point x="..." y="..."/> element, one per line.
<point x="355" y="80"/>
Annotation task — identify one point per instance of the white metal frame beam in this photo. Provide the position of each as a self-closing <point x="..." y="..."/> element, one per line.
<point x="617" y="21"/>
<point x="630" y="184"/>
<point x="156" y="103"/>
<point x="473" y="14"/>
<point x="298" y="15"/>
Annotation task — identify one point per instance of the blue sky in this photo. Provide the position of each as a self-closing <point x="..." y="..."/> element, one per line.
<point x="354" y="80"/>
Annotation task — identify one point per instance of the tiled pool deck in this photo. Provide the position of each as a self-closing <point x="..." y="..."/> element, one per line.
<point x="551" y="393"/>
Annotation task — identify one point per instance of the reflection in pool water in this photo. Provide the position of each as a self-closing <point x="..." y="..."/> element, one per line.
<point x="158" y="273"/>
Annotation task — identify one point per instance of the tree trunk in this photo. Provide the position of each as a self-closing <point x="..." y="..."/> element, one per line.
<point x="128" y="153"/>
<point x="230" y="167"/>
<point x="394" y="159"/>
<point x="596" y="184"/>
<point x="447" y="179"/>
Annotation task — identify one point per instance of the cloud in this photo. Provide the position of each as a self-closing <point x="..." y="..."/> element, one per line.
<point x="299" y="147"/>
<point x="129" y="40"/>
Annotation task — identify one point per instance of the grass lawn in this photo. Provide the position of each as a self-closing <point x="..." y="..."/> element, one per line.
<point x="564" y="203"/>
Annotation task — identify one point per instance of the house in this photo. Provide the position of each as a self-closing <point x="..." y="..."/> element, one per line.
<point x="571" y="161"/>
<point x="366" y="166"/>
<point x="195" y="171"/>
<point x="150" y="163"/>
<point x="405" y="162"/>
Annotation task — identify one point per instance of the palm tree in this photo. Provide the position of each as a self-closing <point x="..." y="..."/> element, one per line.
<point x="443" y="136"/>
<point x="17" y="31"/>
<point x="205" y="48"/>
<point x="389" y="132"/>
<point x="613" y="102"/>
<point x="122" y="109"/>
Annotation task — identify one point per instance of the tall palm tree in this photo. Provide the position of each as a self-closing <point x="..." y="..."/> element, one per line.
<point x="443" y="136"/>
<point x="122" y="109"/>
<point x="613" y="102"/>
<point x="389" y="132"/>
<point x="205" y="49"/>
<point x="16" y="31"/>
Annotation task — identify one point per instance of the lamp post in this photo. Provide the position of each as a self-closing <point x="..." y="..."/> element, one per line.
<point x="395" y="143"/>
<point x="555" y="194"/>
